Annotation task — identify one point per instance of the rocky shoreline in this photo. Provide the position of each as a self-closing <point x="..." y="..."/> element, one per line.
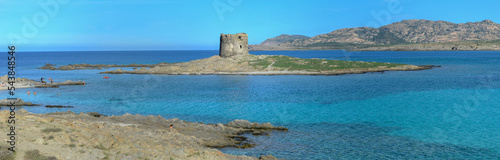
<point x="17" y="102"/>
<point x="68" y="135"/>
<point x="49" y="66"/>
<point x="267" y="65"/>
<point x="248" y="64"/>
<point x="29" y="83"/>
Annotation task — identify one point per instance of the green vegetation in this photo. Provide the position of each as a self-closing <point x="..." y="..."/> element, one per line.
<point x="106" y="155"/>
<point x="292" y="63"/>
<point x="101" y="147"/>
<point x="48" y="130"/>
<point x="35" y="155"/>
<point x="386" y="37"/>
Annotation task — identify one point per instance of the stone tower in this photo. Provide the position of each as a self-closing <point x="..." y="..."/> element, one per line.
<point x="233" y="44"/>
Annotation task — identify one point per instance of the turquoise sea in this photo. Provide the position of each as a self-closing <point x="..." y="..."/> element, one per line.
<point x="451" y="112"/>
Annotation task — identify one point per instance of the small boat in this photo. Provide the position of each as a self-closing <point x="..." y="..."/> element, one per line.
<point x="105" y="77"/>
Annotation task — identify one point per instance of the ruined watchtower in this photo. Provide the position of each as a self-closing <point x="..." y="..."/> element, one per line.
<point x="233" y="44"/>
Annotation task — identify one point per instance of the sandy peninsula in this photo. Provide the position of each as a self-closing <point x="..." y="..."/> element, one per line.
<point x="268" y="65"/>
<point x="252" y="65"/>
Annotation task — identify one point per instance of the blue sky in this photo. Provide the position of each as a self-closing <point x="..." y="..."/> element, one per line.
<point x="65" y="25"/>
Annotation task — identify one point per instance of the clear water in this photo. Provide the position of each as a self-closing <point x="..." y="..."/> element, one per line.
<point x="451" y="112"/>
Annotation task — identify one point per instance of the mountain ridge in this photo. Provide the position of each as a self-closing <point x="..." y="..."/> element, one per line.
<point x="414" y="31"/>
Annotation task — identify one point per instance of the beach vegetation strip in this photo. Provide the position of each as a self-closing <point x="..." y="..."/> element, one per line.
<point x="281" y="62"/>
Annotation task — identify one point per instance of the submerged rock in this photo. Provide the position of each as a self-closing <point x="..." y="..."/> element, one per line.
<point x="58" y="106"/>
<point x="48" y="66"/>
<point x="240" y="123"/>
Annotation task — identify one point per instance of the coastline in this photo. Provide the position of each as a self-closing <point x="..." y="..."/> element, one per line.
<point x="271" y="73"/>
<point x="68" y="135"/>
<point x="366" y="78"/>
<point x="29" y="83"/>
<point x="269" y="65"/>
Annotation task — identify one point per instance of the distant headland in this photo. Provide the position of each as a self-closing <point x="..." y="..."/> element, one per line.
<point x="406" y="35"/>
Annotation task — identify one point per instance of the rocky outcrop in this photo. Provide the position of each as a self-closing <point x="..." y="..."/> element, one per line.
<point x="68" y="135"/>
<point x="233" y="44"/>
<point x="17" y="102"/>
<point x="69" y="82"/>
<point x="240" y="123"/>
<point x="48" y="66"/>
<point x="95" y="114"/>
<point x="29" y="83"/>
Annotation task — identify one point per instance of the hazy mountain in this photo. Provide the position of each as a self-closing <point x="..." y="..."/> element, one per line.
<point x="282" y="39"/>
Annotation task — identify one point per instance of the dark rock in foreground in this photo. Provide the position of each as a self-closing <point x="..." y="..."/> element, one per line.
<point x="95" y="114"/>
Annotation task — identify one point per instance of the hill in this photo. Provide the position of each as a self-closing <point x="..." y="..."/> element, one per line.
<point x="403" y="32"/>
<point x="282" y="39"/>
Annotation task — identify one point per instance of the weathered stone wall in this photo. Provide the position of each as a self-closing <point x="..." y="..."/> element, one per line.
<point x="233" y="44"/>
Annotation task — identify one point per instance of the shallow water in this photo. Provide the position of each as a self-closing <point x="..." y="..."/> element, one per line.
<point x="449" y="112"/>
